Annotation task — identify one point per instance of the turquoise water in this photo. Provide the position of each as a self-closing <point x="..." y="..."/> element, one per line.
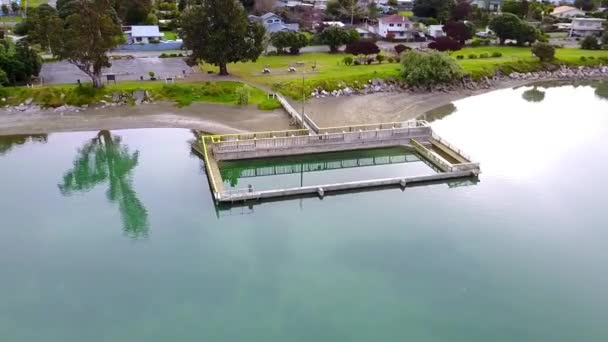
<point x="323" y="168"/>
<point x="113" y="236"/>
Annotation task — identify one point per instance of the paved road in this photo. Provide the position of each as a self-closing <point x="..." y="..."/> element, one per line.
<point x="125" y="69"/>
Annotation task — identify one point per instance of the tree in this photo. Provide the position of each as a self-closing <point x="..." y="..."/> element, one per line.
<point x="425" y="69"/>
<point x="218" y="32"/>
<point x="372" y="10"/>
<point x="18" y="63"/>
<point x="513" y="7"/>
<point x="5" y="9"/>
<point x="526" y="34"/>
<point x="264" y="6"/>
<point x="43" y="23"/>
<point x="458" y="31"/>
<point x="86" y="36"/>
<point x="335" y="36"/>
<point x="399" y="48"/>
<point x="288" y="39"/>
<point x="604" y="38"/>
<point x="445" y="44"/>
<point x="439" y="9"/>
<point x="506" y="26"/>
<point x="151" y="19"/>
<point x="601" y="90"/>
<point x="105" y="159"/>
<point x="362" y="47"/>
<point x="590" y="43"/>
<point x="544" y="51"/>
<point x="15" y="7"/>
<point x="133" y="12"/>
<point x="461" y="11"/>
<point x="344" y="9"/>
<point x="585" y="5"/>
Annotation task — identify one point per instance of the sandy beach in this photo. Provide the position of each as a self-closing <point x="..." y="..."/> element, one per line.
<point x="210" y="118"/>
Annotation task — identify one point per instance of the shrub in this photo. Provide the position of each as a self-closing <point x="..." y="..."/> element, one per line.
<point x="400" y="48"/>
<point x="357" y="62"/>
<point x="583" y="59"/>
<point x="242" y="95"/>
<point x="483" y="55"/>
<point x="429" y="68"/>
<point x="390" y="59"/>
<point x="590" y="43"/>
<point x="604" y="38"/>
<point x="445" y="44"/>
<point x="380" y="58"/>
<point x="369" y="61"/>
<point x="591" y="58"/>
<point x="496" y="54"/>
<point x="480" y="42"/>
<point x="460" y="57"/>
<point x="152" y="75"/>
<point x="362" y="47"/>
<point x="348" y="60"/>
<point x="544" y="51"/>
<point x="472" y="56"/>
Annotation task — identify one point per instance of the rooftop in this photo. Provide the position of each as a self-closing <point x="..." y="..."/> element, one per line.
<point x="394" y="19"/>
<point x="145" y="31"/>
<point x="562" y="9"/>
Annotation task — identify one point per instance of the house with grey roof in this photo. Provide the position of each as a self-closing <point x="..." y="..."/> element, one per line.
<point x="137" y="34"/>
<point x="274" y="23"/>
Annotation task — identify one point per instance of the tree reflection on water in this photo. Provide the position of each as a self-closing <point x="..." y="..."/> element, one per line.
<point x="106" y="159"/>
<point x="8" y="142"/>
<point x="533" y="95"/>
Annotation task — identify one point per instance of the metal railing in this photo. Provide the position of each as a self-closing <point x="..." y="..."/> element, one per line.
<point x="450" y="146"/>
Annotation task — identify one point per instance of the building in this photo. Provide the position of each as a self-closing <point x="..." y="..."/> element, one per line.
<point x="586" y="26"/>
<point x="436" y="31"/>
<point x="364" y="34"/>
<point x="274" y="23"/>
<point x="491" y="5"/>
<point x="567" y="12"/>
<point x="142" y="34"/>
<point x="395" y="27"/>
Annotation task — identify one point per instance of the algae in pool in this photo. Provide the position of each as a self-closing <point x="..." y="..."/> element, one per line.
<point x="324" y="168"/>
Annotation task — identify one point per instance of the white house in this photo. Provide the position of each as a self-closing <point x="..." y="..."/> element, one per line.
<point x="274" y="23"/>
<point x="399" y="27"/>
<point x="491" y="5"/>
<point x="142" y="34"/>
<point x="567" y="12"/>
<point x="586" y="26"/>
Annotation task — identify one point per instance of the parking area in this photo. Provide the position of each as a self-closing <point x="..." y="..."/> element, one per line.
<point x="125" y="69"/>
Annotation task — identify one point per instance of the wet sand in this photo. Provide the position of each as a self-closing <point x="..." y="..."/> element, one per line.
<point x="211" y="118"/>
<point x="386" y="107"/>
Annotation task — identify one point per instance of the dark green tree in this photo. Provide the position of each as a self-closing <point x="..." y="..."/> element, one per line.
<point x="585" y="5"/>
<point x="335" y="37"/>
<point x="104" y="159"/>
<point x="43" y="24"/>
<point x="506" y="26"/>
<point x="293" y="41"/>
<point x="544" y="51"/>
<point x="86" y="37"/>
<point x="439" y="9"/>
<point x="218" y="32"/>
<point x="526" y="34"/>
<point x="18" y="63"/>
<point x="133" y="12"/>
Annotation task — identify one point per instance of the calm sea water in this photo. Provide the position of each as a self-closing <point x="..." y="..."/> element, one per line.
<point x="113" y="236"/>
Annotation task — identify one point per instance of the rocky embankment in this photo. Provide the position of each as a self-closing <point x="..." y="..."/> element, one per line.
<point x="118" y="98"/>
<point x="467" y="83"/>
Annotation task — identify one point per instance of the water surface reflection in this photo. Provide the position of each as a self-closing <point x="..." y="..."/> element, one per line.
<point x="105" y="159"/>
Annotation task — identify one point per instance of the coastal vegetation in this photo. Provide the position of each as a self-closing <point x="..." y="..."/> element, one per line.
<point x="425" y="69"/>
<point x="183" y="94"/>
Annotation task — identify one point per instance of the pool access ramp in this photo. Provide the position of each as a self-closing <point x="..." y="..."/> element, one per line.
<point x="416" y="135"/>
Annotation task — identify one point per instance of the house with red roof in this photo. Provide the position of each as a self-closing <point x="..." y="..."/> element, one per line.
<point x="396" y="27"/>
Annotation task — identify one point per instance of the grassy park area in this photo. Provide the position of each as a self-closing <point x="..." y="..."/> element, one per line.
<point x="183" y="94"/>
<point x="329" y="69"/>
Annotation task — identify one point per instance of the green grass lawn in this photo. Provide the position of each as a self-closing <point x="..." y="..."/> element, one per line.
<point x="406" y="13"/>
<point x="11" y="19"/>
<point x="330" y="71"/>
<point x="170" y="35"/>
<point x="183" y="94"/>
<point x="33" y="3"/>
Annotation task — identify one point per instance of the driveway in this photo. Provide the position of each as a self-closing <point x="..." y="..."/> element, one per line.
<point x="125" y="69"/>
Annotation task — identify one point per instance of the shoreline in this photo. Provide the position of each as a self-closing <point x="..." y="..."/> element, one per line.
<point x="223" y="119"/>
<point x="211" y="118"/>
